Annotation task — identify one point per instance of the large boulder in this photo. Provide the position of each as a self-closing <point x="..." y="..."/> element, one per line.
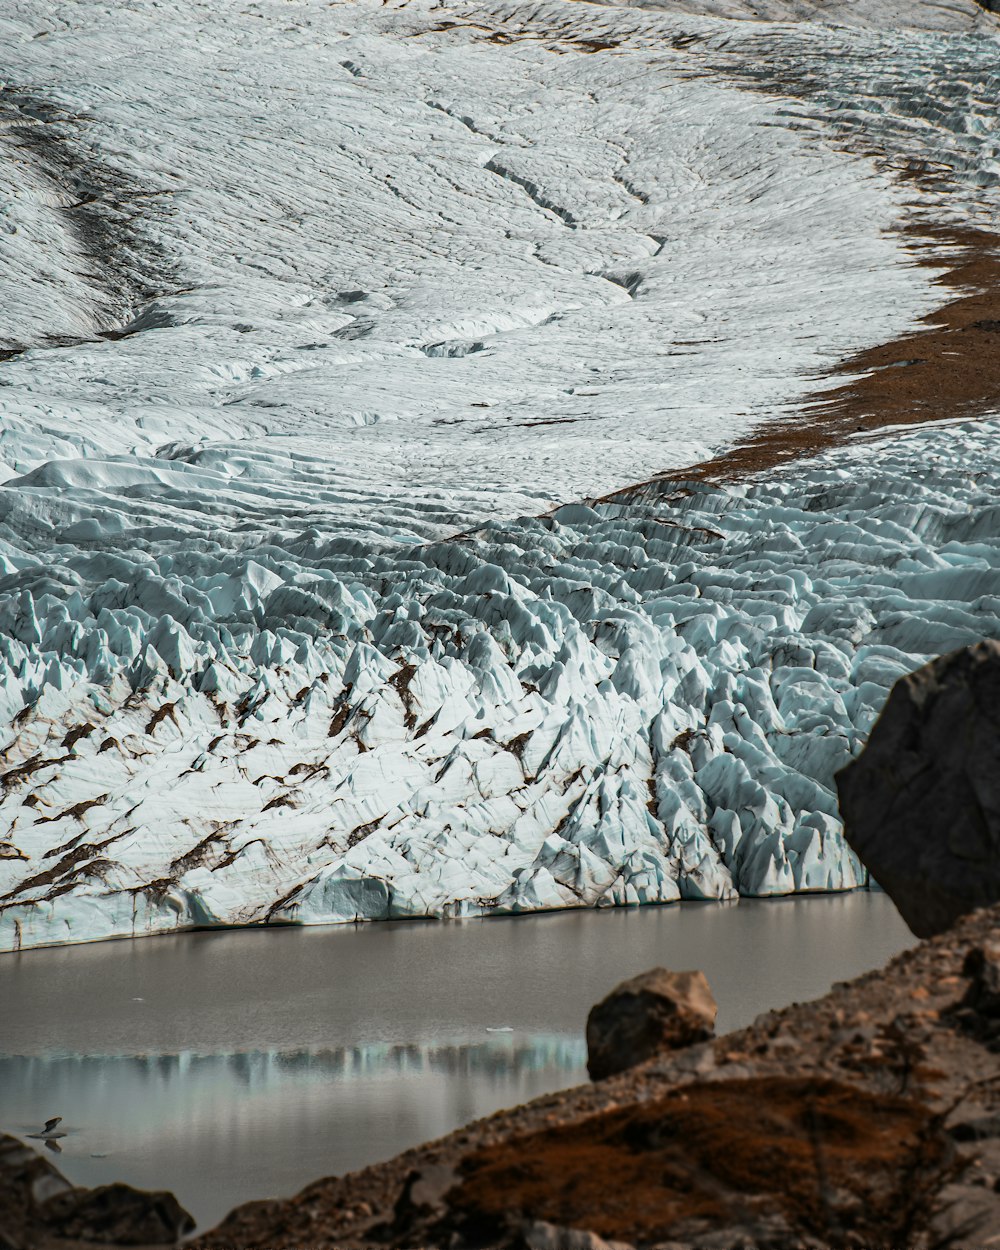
<point x="655" y="1011"/>
<point x="118" y="1215"/>
<point x="921" y="804"/>
<point x="40" y="1208"/>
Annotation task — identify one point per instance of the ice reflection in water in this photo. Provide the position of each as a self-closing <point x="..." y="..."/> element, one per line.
<point x="496" y="1059"/>
<point x="223" y="1128"/>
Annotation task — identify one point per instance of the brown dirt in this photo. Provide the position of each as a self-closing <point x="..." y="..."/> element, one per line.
<point x="950" y="369"/>
<point x="729" y="1150"/>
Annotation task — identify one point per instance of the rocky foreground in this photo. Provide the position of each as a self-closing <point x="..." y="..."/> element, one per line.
<point x="870" y="1117"/>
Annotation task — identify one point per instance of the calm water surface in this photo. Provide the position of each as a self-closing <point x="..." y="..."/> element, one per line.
<point x="237" y="1065"/>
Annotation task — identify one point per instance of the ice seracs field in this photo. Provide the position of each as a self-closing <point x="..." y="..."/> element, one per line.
<point x="327" y="332"/>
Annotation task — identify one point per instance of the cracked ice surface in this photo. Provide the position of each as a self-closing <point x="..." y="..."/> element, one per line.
<point x="619" y="704"/>
<point x="406" y="277"/>
<point x="373" y="277"/>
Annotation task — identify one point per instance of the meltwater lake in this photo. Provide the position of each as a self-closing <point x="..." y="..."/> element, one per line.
<point x="243" y="1064"/>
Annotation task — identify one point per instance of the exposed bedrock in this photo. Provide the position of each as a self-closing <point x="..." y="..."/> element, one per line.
<point x="921" y="804"/>
<point x="657" y="1010"/>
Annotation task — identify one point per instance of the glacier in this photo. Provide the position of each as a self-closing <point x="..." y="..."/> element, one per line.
<point x="328" y="330"/>
<point x="623" y="703"/>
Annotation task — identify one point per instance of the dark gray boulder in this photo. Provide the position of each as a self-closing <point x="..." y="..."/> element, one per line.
<point x="118" y="1215"/>
<point x="921" y="804"/>
<point x="655" y="1011"/>
<point x="39" y="1208"/>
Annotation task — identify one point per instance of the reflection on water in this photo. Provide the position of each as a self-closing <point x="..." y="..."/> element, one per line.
<point x="230" y="1066"/>
<point x="223" y="1128"/>
<point x="498" y="1059"/>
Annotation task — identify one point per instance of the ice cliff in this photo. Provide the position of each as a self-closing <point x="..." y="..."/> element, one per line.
<point x="618" y="704"/>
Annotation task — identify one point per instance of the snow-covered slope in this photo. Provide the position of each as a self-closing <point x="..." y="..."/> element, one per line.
<point x="409" y="276"/>
<point x="296" y="293"/>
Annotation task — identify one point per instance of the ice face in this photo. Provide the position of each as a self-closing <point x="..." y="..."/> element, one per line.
<point x="288" y="375"/>
<point x="618" y="704"/>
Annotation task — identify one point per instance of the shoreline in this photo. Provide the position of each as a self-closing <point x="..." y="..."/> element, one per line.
<point x="894" y="1037"/>
<point x="365" y="922"/>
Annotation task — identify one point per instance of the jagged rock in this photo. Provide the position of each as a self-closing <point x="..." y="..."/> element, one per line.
<point x="422" y="1197"/>
<point x="655" y="1011"/>
<point x="982" y="967"/>
<point x="119" y="1215"/>
<point x="978" y="1013"/>
<point x="975" y="1128"/>
<point x="921" y="804"/>
<point x="26" y="1181"/>
<point x="38" y="1204"/>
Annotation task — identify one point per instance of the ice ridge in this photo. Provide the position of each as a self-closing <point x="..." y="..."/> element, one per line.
<point x="617" y="704"/>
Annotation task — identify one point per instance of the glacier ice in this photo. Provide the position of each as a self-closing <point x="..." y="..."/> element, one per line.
<point x="401" y="268"/>
<point x="310" y="609"/>
<point x="625" y="703"/>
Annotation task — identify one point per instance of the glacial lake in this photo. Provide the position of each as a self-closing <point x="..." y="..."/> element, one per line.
<point x="243" y="1064"/>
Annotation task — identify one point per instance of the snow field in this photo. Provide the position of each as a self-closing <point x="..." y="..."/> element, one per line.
<point x="407" y="278"/>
